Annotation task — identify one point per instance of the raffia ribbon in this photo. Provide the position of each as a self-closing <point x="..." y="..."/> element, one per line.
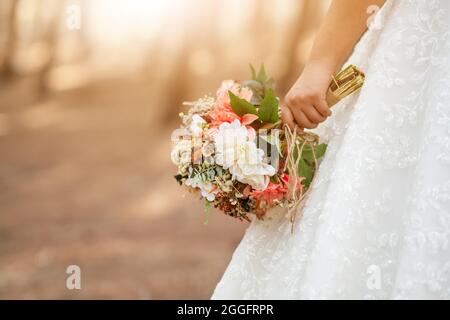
<point x="346" y="82"/>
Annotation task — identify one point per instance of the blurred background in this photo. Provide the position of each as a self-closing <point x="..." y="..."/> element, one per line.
<point x="90" y="91"/>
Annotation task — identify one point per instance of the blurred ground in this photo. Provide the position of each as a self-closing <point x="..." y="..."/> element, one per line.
<point x="90" y="91"/>
<point x="85" y="179"/>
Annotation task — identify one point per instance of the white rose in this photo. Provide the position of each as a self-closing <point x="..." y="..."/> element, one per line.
<point x="228" y="140"/>
<point x="207" y="189"/>
<point x="181" y="152"/>
<point x="197" y="124"/>
<point x="242" y="157"/>
<point x="251" y="168"/>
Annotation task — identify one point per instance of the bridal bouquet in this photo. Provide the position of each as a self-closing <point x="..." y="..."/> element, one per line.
<point x="233" y="150"/>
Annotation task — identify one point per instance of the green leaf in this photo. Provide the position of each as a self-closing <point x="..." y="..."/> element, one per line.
<point x="268" y="111"/>
<point x="262" y="76"/>
<point x="241" y="106"/>
<point x="320" y="150"/>
<point x="253" y="71"/>
<point x="259" y="84"/>
<point x="305" y="170"/>
<point x="307" y="154"/>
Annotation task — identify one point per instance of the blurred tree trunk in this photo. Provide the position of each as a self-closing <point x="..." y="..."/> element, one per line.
<point x="50" y="38"/>
<point x="177" y="85"/>
<point x="177" y="82"/>
<point x="306" y="21"/>
<point x="258" y="23"/>
<point x="82" y="33"/>
<point x="7" y="67"/>
<point x="181" y="80"/>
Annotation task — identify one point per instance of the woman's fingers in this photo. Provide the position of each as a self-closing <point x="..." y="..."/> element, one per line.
<point x="307" y="110"/>
<point x="313" y="115"/>
<point x="287" y="117"/>
<point x="322" y="107"/>
<point x="302" y="119"/>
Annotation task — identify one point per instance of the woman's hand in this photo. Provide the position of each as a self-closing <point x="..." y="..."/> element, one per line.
<point x="305" y="103"/>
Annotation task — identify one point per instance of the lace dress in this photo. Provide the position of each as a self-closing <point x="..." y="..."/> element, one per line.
<point x="376" y="224"/>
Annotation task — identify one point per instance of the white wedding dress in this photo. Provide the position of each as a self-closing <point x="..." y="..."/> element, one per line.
<point x="376" y="224"/>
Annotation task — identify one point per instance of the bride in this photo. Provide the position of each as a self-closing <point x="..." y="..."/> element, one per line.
<point x="376" y="224"/>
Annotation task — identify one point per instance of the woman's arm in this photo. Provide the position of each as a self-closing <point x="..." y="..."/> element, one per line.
<point x="345" y="22"/>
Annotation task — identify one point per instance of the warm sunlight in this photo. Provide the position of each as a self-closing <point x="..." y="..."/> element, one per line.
<point x="224" y="149"/>
<point x="117" y="21"/>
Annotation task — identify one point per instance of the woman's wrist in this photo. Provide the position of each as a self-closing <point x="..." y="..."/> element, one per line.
<point x="327" y="65"/>
<point x="318" y="71"/>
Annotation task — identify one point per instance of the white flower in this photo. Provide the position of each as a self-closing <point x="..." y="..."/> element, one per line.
<point x="197" y="124"/>
<point x="181" y="152"/>
<point x="207" y="189"/>
<point x="242" y="157"/>
<point x="228" y="139"/>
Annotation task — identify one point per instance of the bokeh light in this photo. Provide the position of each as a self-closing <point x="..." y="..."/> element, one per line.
<point x="86" y="113"/>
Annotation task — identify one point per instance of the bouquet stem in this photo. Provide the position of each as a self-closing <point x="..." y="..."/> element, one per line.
<point x="346" y="82"/>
